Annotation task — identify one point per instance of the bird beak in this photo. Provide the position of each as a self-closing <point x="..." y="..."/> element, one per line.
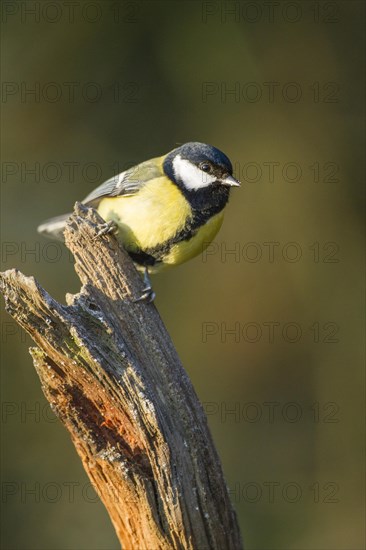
<point x="230" y="181"/>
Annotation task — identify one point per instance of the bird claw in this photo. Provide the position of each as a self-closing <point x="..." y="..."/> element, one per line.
<point x="107" y="228"/>
<point x="148" y="295"/>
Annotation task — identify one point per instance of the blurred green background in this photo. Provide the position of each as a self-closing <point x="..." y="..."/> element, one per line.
<point x="278" y="87"/>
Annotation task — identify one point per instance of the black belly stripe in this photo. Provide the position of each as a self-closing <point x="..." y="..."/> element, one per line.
<point x="154" y="255"/>
<point x="141" y="258"/>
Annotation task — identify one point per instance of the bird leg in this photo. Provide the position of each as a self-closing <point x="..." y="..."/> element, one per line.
<point x="148" y="294"/>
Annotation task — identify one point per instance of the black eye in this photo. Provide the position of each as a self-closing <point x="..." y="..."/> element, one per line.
<point x="205" y="167"/>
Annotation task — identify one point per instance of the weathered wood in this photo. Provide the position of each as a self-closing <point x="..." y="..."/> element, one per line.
<point x="110" y="372"/>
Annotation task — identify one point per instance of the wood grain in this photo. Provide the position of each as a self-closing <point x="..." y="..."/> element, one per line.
<point x="110" y="372"/>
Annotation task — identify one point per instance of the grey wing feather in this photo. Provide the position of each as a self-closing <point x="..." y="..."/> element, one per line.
<point x="109" y="188"/>
<point x="126" y="183"/>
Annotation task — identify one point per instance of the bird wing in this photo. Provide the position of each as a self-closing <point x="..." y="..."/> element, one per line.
<point x="126" y="183"/>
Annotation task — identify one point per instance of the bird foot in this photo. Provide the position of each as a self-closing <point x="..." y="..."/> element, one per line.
<point x="107" y="228"/>
<point x="148" y="295"/>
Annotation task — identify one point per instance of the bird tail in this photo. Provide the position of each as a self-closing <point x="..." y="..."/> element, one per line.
<point x="54" y="227"/>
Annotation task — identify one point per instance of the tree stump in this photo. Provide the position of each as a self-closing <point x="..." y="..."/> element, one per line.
<point x="111" y="374"/>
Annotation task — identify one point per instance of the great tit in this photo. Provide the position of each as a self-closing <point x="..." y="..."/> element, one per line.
<point x="165" y="210"/>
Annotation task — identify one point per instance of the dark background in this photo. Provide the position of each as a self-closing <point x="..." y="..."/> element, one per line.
<point x="278" y="87"/>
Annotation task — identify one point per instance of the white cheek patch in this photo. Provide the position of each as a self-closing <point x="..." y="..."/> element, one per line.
<point x="191" y="176"/>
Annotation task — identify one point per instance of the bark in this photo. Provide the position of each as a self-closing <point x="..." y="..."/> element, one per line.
<point x="111" y="374"/>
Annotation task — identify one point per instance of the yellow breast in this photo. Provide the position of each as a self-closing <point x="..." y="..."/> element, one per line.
<point x="153" y="216"/>
<point x="150" y="217"/>
<point x="185" y="250"/>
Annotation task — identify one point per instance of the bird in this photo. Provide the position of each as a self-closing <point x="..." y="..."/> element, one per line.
<point x="164" y="211"/>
